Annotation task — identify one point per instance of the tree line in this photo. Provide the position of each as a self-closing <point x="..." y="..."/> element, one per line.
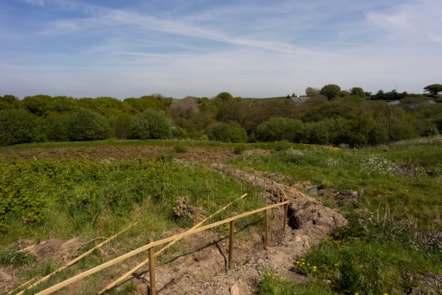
<point x="324" y="116"/>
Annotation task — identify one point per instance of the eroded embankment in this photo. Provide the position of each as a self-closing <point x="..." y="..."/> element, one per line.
<point x="305" y="213"/>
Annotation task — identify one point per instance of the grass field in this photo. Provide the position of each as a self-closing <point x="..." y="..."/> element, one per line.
<point x="89" y="190"/>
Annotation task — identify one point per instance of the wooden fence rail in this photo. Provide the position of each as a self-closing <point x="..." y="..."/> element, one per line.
<point x="151" y="245"/>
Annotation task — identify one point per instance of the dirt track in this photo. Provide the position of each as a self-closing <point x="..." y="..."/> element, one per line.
<point x="200" y="154"/>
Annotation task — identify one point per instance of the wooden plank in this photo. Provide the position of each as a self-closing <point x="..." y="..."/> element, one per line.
<point x="150" y="245"/>
<point x="75" y="260"/>
<point x="144" y="262"/>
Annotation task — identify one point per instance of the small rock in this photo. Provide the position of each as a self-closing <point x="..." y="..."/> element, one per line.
<point x="234" y="290"/>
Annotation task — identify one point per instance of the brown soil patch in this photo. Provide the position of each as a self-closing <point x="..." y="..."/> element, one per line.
<point x="115" y="152"/>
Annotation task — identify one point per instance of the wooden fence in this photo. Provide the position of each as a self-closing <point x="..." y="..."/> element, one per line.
<point x="152" y="244"/>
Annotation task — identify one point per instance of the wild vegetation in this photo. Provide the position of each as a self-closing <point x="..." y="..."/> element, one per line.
<point x="392" y="243"/>
<point x="325" y="116"/>
<point x="384" y="146"/>
<point x="394" y="234"/>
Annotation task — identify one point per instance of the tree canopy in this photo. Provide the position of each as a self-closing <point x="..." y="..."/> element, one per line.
<point x="433" y="89"/>
<point x="352" y="117"/>
<point x="330" y="90"/>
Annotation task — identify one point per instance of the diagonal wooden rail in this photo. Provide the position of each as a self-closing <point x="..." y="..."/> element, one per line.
<point x="151" y="245"/>
<point x="27" y="285"/>
<point x="144" y="262"/>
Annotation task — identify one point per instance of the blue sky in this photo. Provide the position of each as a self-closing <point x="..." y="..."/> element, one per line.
<point x="249" y="48"/>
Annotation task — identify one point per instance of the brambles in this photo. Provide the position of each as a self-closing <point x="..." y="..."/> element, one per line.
<point x="16" y="258"/>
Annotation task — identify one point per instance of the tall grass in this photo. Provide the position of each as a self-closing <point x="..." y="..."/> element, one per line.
<point x="384" y="249"/>
<point x="81" y="196"/>
<point x="383" y="177"/>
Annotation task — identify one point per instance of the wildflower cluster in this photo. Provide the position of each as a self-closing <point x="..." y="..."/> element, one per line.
<point x="378" y="164"/>
<point x="332" y="163"/>
<point x="303" y="267"/>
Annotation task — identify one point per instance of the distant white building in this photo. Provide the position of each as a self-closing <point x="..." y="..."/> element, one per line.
<point x="299" y="99"/>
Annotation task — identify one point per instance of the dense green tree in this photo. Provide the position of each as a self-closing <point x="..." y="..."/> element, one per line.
<point x="319" y="132"/>
<point x="63" y="104"/>
<point x="260" y="111"/>
<point x="122" y="125"/>
<point x="224" y="132"/>
<point x="18" y="126"/>
<point x="233" y="112"/>
<point x="311" y="91"/>
<point x="437" y="120"/>
<point x="37" y="104"/>
<point x="278" y="128"/>
<point x="85" y="125"/>
<point x="391" y="95"/>
<point x="56" y="126"/>
<point x="358" y="91"/>
<point x="426" y="128"/>
<point x="433" y="89"/>
<point x="331" y="90"/>
<point x="151" y="124"/>
<point x="8" y="102"/>
<point x="147" y="102"/>
<point x="106" y="106"/>
<point x="224" y="96"/>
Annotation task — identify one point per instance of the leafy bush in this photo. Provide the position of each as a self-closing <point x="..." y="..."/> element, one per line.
<point x="85" y="125"/>
<point x="21" y="195"/>
<point x="121" y="126"/>
<point x="330" y="90"/>
<point x="151" y="124"/>
<point x="16" y="258"/>
<point x="180" y="148"/>
<point x="57" y="126"/>
<point x="18" y="126"/>
<point x="227" y="133"/>
<point x="277" y="129"/>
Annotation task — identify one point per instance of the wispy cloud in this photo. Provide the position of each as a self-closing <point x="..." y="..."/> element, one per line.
<point x="196" y="47"/>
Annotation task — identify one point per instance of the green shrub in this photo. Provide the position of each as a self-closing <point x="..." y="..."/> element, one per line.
<point x="180" y="148"/>
<point x="271" y="285"/>
<point x="151" y="124"/>
<point x="57" y="126"/>
<point x="16" y="258"/>
<point x="86" y="125"/>
<point x="226" y="133"/>
<point x="277" y="129"/>
<point x="18" y="126"/>
<point x="239" y="149"/>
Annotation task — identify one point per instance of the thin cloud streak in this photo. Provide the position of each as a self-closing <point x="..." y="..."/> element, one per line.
<point x="263" y="49"/>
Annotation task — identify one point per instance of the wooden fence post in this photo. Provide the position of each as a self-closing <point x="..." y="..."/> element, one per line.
<point x="286" y="209"/>
<point x="152" y="269"/>
<point x="232" y="230"/>
<point x="266" y="229"/>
